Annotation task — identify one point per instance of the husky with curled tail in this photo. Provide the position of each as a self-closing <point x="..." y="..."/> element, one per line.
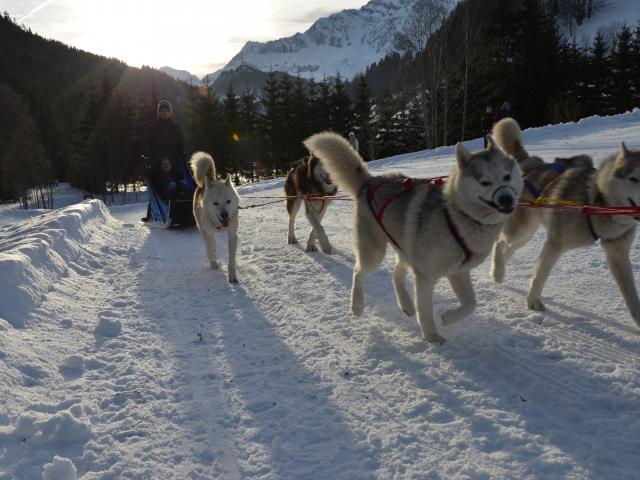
<point x="215" y="208"/>
<point x="537" y="174"/>
<point x="437" y="230"/>
<point x="616" y="182"/>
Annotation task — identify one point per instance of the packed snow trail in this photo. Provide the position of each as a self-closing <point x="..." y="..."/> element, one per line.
<point x="139" y="361"/>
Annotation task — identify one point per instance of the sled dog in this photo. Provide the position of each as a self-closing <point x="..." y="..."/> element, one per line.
<point x="307" y="177"/>
<point x="615" y="183"/>
<point x="537" y="174"/>
<point x="436" y="230"/>
<point x="215" y="208"/>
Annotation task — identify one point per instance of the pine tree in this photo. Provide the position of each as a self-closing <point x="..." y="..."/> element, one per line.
<point x="596" y="97"/>
<point x="341" y="115"/>
<point x="635" y="69"/>
<point x="622" y="85"/>
<point x="363" y="118"/>
<point x="270" y="124"/>
<point x="387" y="136"/>
<point x="249" y="134"/>
<point x="230" y="154"/>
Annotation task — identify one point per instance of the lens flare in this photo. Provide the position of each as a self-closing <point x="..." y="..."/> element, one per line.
<point x="235" y="137"/>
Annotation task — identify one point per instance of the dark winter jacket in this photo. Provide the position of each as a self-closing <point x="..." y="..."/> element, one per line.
<point x="487" y="121"/>
<point x="164" y="140"/>
<point x="505" y="112"/>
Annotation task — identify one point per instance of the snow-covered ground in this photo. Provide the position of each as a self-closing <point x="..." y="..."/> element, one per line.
<point x="122" y="355"/>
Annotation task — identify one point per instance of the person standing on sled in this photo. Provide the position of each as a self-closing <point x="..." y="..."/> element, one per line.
<point x="164" y="141"/>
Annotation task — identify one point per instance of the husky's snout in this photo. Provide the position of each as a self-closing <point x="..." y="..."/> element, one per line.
<point x="505" y="199"/>
<point x="224" y="219"/>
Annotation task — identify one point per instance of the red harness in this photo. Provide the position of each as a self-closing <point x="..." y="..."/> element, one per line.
<point x="406" y="185"/>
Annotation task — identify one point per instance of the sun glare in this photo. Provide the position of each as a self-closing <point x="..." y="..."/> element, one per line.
<point x="195" y="35"/>
<point x="157" y="33"/>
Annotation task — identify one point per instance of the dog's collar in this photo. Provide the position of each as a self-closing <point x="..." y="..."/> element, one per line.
<point x="468" y="254"/>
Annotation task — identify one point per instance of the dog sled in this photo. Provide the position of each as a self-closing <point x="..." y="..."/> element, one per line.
<point x="168" y="213"/>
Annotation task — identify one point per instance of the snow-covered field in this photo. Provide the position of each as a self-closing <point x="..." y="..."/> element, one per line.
<point x="123" y="356"/>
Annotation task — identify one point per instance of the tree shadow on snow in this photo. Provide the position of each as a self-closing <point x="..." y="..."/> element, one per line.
<point x="554" y="416"/>
<point x="266" y="413"/>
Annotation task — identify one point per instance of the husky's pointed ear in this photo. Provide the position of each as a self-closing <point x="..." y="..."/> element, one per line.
<point x="624" y="151"/>
<point x="462" y="155"/>
<point x="227" y="181"/>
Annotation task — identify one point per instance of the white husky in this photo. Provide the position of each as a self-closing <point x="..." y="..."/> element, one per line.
<point x="437" y="231"/>
<point x="215" y="208"/>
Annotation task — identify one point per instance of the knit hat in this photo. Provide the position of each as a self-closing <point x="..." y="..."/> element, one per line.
<point x="164" y="105"/>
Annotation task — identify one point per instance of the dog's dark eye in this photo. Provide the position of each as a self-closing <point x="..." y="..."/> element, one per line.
<point x="228" y="201"/>
<point x="486" y="184"/>
<point x="507" y="178"/>
<point x="215" y="203"/>
<point x="633" y="179"/>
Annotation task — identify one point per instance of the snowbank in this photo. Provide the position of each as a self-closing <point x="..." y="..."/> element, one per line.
<point x="35" y="254"/>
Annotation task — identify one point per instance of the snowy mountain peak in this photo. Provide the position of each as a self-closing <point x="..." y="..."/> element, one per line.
<point x="183" y="75"/>
<point x="345" y="42"/>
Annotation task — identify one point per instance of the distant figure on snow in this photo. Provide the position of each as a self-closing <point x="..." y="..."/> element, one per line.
<point x="353" y="141"/>
<point x="505" y="110"/>
<point x="487" y="121"/>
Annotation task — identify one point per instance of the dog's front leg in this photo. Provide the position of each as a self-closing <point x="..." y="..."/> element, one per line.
<point x="210" y="242"/>
<point x="424" y="303"/>
<point x="317" y="230"/>
<point x="233" y="247"/>
<point x="462" y="286"/>
<point x="293" y="206"/>
<point x="548" y="258"/>
<point x="620" y="267"/>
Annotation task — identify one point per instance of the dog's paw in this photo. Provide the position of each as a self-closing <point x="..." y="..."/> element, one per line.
<point x="215" y="265"/>
<point x="450" y="316"/>
<point x="536" y="304"/>
<point x="292" y="240"/>
<point x="435" y="338"/>
<point x="454" y="315"/>
<point x="311" y="248"/>
<point x="357" y="308"/>
<point x="497" y="274"/>
<point x="233" y="279"/>
<point x="408" y="308"/>
<point x="327" y="249"/>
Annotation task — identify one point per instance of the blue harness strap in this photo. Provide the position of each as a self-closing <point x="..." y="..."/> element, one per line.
<point x="532" y="189"/>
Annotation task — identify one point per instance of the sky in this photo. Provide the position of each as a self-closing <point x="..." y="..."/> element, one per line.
<point x="195" y="35"/>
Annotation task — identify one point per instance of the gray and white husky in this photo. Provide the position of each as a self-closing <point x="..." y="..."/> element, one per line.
<point x="437" y="231"/>
<point x="615" y="183"/>
<point x="215" y="208"/>
<point x="536" y="174"/>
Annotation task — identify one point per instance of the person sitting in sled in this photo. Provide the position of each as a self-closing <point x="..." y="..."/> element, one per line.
<point x="169" y="184"/>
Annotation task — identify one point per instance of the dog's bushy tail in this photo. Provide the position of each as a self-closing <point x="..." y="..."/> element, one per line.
<point x="344" y="164"/>
<point x="202" y="167"/>
<point x="508" y="137"/>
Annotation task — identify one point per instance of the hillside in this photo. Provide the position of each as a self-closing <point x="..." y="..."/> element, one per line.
<point x="345" y="43"/>
<point x="122" y="355"/>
